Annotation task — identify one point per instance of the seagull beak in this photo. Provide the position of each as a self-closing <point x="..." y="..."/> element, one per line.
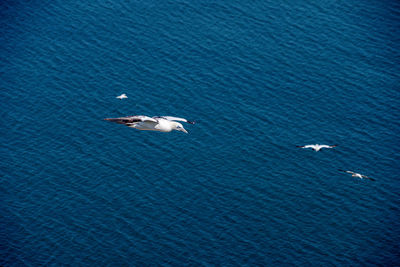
<point x="183" y="130"/>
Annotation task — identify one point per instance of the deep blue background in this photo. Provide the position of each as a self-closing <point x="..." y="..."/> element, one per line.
<point x="259" y="78"/>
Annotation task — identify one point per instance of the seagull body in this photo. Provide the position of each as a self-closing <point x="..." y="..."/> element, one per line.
<point x="358" y="175"/>
<point x="122" y="96"/>
<point x="158" y="123"/>
<point x="317" y="147"/>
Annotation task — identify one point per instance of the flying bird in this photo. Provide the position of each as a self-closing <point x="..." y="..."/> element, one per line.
<point x="358" y="175"/>
<point x="158" y="123"/>
<point x="122" y="96"/>
<point x="317" y="147"/>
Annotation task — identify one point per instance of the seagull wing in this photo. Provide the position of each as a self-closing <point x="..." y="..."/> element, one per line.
<point x="309" y="146"/>
<point x="170" y="118"/>
<point x="346" y="171"/>
<point x="326" y="146"/>
<point x="366" y="177"/>
<point x="131" y="119"/>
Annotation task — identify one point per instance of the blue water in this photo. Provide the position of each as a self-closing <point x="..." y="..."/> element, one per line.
<point x="258" y="77"/>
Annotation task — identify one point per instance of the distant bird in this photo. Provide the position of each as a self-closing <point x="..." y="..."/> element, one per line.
<point x="158" y="123"/>
<point x="358" y="175"/>
<point x="122" y="96"/>
<point x="317" y="147"/>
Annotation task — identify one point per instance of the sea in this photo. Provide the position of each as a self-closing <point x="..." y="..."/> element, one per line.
<point x="258" y="77"/>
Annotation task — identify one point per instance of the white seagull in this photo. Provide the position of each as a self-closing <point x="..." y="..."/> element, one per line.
<point x="317" y="147"/>
<point x="158" y="123"/>
<point x="122" y="96"/>
<point x="358" y="175"/>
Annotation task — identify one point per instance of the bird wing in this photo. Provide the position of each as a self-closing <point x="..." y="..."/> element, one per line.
<point x="346" y="171"/>
<point x="326" y="146"/>
<point x="309" y="146"/>
<point x="366" y="177"/>
<point x="170" y="118"/>
<point x="131" y="119"/>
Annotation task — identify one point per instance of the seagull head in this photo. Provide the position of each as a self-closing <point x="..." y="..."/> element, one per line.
<point x="177" y="126"/>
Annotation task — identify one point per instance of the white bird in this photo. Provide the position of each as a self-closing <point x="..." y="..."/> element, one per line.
<point x="317" y="147"/>
<point x="122" y="96"/>
<point x="358" y="175"/>
<point x="158" y="123"/>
